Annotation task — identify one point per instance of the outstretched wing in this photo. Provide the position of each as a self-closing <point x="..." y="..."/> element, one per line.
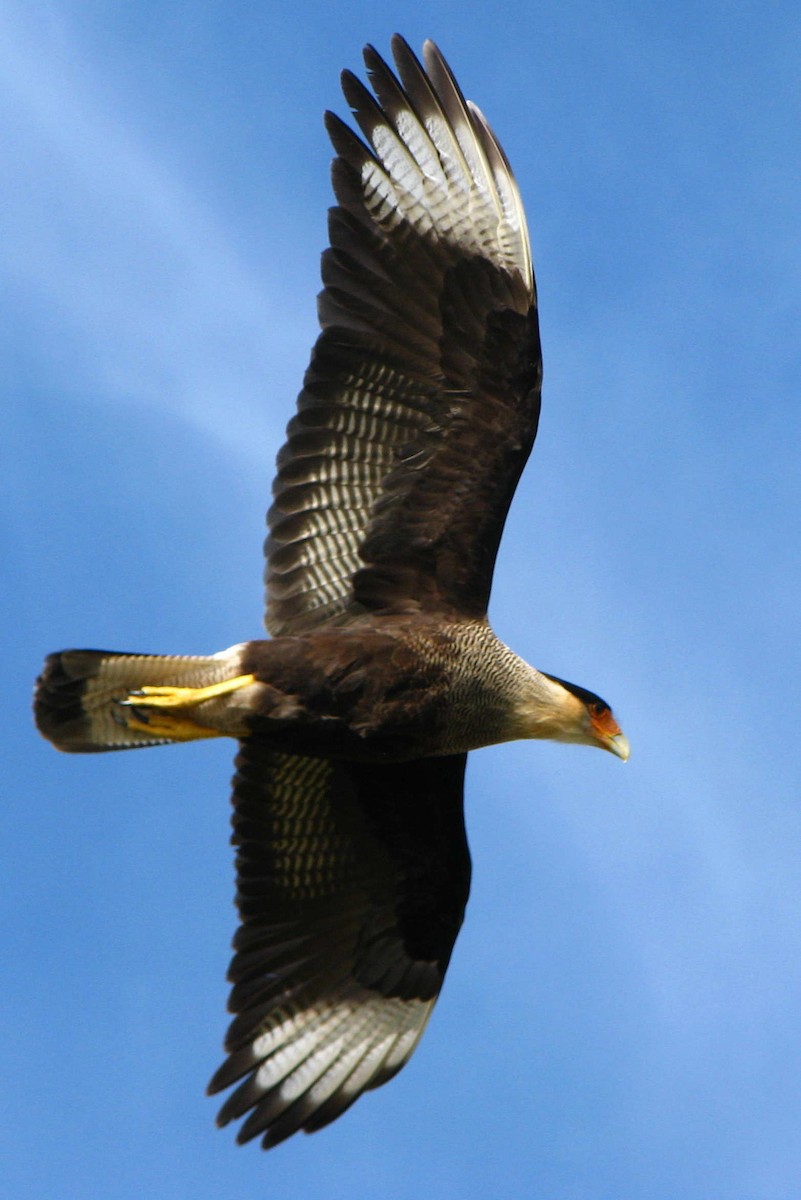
<point x="352" y="882"/>
<point x="421" y="401"/>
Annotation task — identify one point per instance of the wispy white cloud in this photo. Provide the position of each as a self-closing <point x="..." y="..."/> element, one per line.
<point x="117" y="257"/>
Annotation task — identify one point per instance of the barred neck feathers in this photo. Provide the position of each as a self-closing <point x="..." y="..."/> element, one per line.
<point x="530" y="703"/>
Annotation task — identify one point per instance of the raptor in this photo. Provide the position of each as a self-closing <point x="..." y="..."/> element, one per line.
<point x="418" y="412"/>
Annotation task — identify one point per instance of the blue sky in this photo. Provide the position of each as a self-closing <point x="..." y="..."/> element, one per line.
<point x="621" y="1016"/>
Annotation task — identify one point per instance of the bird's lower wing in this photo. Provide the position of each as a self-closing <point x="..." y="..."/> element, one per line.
<point x="352" y="880"/>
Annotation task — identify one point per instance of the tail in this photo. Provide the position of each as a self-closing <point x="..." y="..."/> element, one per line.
<point x="82" y="696"/>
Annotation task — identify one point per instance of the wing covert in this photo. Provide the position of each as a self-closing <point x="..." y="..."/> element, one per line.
<point x="421" y="400"/>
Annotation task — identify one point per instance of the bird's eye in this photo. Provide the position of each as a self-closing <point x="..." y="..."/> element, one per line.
<point x="597" y="708"/>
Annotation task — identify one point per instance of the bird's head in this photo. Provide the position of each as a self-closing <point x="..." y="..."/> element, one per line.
<point x="565" y="712"/>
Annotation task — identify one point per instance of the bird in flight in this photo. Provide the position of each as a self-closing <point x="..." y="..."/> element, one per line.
<point x="354" y="719"/>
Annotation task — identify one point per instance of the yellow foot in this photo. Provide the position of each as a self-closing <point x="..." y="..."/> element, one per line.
<point x="165" y="696"/>
<point x="161" y="712"/>
<point x="166" y="726"/>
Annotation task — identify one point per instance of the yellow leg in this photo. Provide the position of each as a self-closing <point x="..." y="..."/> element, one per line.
<point x="165" y="696"/>
<point x="157" y="710"/>
<point x="171" y="727"/>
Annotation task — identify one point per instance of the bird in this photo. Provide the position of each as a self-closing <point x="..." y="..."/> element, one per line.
<point x="354" y="719"/>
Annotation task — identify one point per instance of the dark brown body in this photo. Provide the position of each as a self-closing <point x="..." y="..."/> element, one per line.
<point x="387" y="689"/>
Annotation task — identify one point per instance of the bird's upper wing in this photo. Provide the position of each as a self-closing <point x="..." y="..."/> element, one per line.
<point x="352" y="882"/>
<point x="421" y="401"/>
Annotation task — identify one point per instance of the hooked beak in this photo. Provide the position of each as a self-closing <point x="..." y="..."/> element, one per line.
<point x="608" y="734"/>
<point x="619" y="745"/>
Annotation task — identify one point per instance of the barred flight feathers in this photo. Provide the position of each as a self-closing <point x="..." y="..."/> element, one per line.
<point x="352" y="884"/>
<point x="421" y="401"/>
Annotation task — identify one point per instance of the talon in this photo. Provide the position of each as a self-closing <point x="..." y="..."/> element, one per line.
<point x="172" y="727"/>
<point x="166" y="696"/>
<point x="165" y="711"/>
